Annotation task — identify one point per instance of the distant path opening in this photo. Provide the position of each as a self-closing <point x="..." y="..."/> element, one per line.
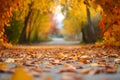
<point x="60" y="41"/>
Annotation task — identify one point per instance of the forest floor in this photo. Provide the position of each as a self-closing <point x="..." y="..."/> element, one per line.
<point x="57" y="62"/>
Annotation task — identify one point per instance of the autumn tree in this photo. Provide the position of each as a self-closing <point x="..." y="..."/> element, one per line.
<point x="80" y="12"/>
<point x="14" y="30"/>
<point x="41" y="28"/>
<point x="111" y="20"/>
<point x="43" y="6"/>
<point x="6" y="8"/>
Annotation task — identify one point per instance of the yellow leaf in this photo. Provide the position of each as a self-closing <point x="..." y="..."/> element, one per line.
<point x="39" y="55"/>
<point x="21" y="74"/>
<point x="60" y="55"/>
<point x="75" y="57"/>
<point x="3" y="66"/>
<point x="48" y="78"/>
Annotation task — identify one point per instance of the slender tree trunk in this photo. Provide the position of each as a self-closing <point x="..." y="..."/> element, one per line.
<point x="83" y="32"/>
<point x="88" y="31"/>
<point x="92" y="33"/>
<point x="23" y="36"/>
<point x="28" y="38"/>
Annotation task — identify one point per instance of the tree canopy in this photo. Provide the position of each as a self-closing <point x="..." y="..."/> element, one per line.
<point x="73" y="10"/>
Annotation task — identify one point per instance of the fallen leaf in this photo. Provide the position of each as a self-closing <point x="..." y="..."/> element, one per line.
<point x="71" y="76"/>
<point x="67" y="70"/>
<point x="117" y="61"/>
<point x="85" y="61"/>
<point x="113" y="55"/>
<point x="21" y="74"/>
<point x="110" y="69"/>
<point x="60" y="55"/>
<point x="79" y="67"/>
<point x="3" y="66"/>
<point x="85" y="71"/>
<point x="39" y="55"/>
<point x="94" y="64"/>
<point x="55" y="61"/>
<point x="6" y="71"/>
<point x="9" y="60"/>
<point x="85" y="57"/>
<point x="37" y="70"/>
<point x="93" y="72"/>
<point x="69" y="66"/>
<point x="48" y="77"/>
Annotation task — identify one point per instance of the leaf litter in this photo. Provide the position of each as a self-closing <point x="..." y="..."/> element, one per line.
<point x="71" y="63"/>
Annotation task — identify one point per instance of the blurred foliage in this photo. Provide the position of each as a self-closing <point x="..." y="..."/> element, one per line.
<point x="76" y="18"/>
<point x="41" y="29"/>
<point x="14" y="30"/>
<point x="6" y="8"/>
<point x="111" y="20"/>
<point x="35" y="12"/>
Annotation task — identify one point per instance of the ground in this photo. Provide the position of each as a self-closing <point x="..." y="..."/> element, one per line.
<point x="60" y="62"/>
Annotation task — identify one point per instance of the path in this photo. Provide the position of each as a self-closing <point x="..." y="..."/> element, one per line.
<point x="62" y="62"/>
<point x="60" y="41"/>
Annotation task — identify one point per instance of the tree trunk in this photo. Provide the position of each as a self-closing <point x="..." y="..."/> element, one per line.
<point x="92" y="34"/>
<point x="28" y="38"/>
<point x="89" y="35"/>
<point x="23" y="36"/>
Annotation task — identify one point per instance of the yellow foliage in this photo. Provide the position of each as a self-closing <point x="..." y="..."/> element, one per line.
<point x="63" y="1"/>
<point x="21" y="74"/>
<point x="77" y="16"/>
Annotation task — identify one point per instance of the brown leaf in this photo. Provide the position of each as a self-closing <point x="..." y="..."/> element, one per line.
<point x="113" y="55"/>
<point x="36" y="74"/>
<point x="69" y="66"/>
<point x="79" y="67"/>
<point x="71" y="76"/>
<point x="110" y="71"/>
<point x="85" y="71"/>
<point x="67" y="70"/>
<point x="48" y="77"/>
<point x="55" y="61"/>
<point x="85" y="61"/>
<point x="37" y="70"/>
<point x="117" y="61"/>
<point x="6" y="71"/>
<point x="93" y="72"/>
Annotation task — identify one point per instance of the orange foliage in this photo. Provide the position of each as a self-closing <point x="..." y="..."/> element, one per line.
<point x="111" y="17"/>
<point x="102" y="25"/>
<point x="6" y="8"/>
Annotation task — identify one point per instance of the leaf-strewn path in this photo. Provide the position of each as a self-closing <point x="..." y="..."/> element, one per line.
<point x="60" y="63"/>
